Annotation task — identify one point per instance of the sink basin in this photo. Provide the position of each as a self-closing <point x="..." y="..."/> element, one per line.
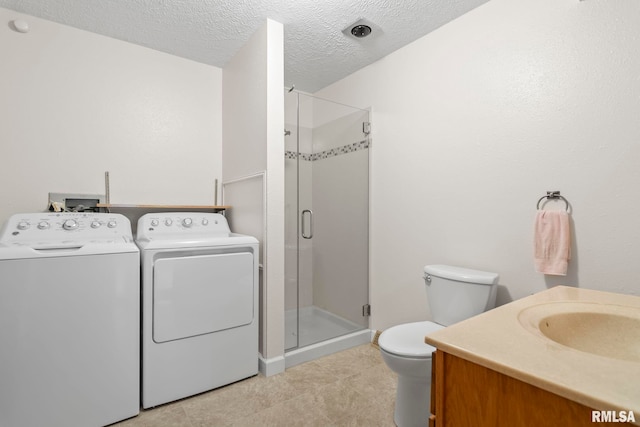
<point x="601" y="329"/>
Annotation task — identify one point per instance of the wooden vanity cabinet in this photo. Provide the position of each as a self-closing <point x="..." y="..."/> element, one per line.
<point x="469" y="395"/>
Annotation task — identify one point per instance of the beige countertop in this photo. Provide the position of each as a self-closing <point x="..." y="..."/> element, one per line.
<point x="499" y="340"/>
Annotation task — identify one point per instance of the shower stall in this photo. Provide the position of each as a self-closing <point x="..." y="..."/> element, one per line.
<point x="326" y="227"/>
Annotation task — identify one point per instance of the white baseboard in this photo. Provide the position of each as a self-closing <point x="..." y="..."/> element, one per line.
<point x="272" y="366"/>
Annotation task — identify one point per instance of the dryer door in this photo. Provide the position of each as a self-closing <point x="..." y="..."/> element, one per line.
<point x="198" y="295"/>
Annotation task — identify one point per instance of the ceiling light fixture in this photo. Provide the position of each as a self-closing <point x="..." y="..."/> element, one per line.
<point x="361" y="31"/>
<point x="363" y="28"/>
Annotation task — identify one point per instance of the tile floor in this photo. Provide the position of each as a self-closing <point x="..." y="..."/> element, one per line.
<point x="350" y="388"/>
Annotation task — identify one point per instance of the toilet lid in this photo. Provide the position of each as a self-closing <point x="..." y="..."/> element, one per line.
<point x="408" y="339"/>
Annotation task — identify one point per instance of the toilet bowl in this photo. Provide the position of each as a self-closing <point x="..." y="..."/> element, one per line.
<point x="454" y="294"/>
<point x="404" y="351"/>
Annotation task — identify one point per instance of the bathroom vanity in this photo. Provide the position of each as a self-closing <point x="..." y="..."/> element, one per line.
<point x="565" y="356"/>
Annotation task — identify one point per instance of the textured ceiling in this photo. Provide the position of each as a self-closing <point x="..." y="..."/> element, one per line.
<point x="317" y="52"/>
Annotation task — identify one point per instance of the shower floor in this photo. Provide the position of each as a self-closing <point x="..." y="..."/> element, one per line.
<point x="316" y="325"/>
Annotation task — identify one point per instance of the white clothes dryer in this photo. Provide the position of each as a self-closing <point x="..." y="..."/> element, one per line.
<point x="69" y="320"/>
<point x="200" y="305"/>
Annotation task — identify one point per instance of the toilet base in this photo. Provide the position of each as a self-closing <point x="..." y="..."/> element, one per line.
<point x="413" y="395"/>
<point x="413" y="399"/>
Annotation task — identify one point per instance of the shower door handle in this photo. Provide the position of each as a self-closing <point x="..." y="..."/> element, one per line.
<point x="310" y="235"/>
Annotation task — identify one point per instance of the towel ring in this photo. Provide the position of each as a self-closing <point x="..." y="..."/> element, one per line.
<point x="553" y="195"/>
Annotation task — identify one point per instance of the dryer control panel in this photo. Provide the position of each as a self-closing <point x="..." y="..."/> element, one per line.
<point x="78" y="227"/>
<point x="182" y="224"/>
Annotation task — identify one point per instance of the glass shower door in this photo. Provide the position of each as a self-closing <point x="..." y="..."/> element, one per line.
<point x="327" y="211"/>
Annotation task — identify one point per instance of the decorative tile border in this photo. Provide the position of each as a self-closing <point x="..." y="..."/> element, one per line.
<point x="349" y="148"/>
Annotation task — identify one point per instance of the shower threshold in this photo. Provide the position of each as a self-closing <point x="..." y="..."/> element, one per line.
<point x="321" y="333"/>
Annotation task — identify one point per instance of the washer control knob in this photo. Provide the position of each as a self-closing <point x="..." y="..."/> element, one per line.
<point x="205" y="221"/>
<point x="43" y="225"/>
<point x="187" y="222"/>
<point x="95" y="224"/>
<point x="112" y="224"/>
<point x="70" y="224"/>
<point x="168" y="222"/>
<point x="155" y="222"/>
<point x="23" y="225"/>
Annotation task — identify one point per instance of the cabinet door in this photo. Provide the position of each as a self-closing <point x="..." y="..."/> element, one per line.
<point x="470" y="395"/>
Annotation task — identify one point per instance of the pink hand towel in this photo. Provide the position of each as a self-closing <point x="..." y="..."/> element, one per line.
<point x="552" y="242"/>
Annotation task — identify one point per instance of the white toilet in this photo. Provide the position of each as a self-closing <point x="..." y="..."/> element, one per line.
<point x="454" y="294"/>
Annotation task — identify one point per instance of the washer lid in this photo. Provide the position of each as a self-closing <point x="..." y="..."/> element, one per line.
<point x="462" y="274"/>
<point x="408" y="339"/>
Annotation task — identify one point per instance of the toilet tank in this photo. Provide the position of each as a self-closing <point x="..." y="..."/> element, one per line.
<point x="456" y="293"/>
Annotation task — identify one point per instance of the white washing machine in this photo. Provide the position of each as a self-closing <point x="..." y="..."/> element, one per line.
<point x="69" y="320"/>
<point x="200" y="305"/>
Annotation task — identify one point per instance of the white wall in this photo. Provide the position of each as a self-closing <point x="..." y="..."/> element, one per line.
<point x="75" y="104"/>
<point x="253" y="143"/>
<point x="275" y="189"/>
<point x="476" y="121"/>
